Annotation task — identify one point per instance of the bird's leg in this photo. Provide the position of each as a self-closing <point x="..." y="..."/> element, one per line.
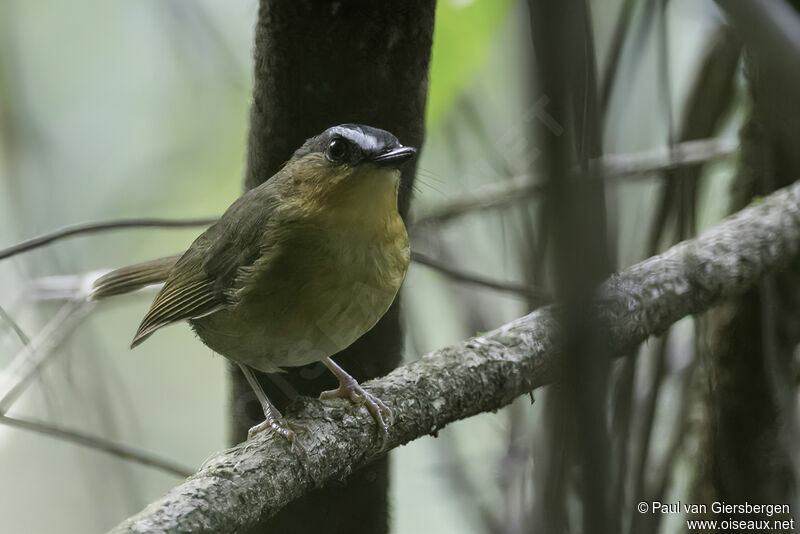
<point x="273" y="418"/>
<point x="350" y="389"/>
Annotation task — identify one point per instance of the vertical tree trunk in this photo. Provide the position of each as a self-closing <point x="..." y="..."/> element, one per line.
<point x="575" y="215"/>
<point x="318" y="64"/>
<point x="751" y="339"/>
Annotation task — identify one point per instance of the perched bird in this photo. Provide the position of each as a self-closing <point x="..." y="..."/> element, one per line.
<point x="296" y="269"/>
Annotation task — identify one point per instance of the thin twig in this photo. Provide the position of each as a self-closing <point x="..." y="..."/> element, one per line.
<point x="27" y="365"/>
<point x="61" y="287"/>
<point x="683" y="154"/>
<point x="23" y="337"/>
<point x="93" y="442"/>
<point x="613" y="167"/>
<point x="536" y="295"/>
<point x="78" y="229"/>
<point x="483" y="198"/>
<point x="609" y="78"/>
<point x="24" y="367"/>
<point x="707" y="104"/>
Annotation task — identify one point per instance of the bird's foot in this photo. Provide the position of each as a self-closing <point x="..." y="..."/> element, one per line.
<point x="352" y="390"/>
<point x="283" y="428"/>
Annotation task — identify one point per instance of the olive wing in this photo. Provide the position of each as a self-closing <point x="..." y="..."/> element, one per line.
<point x="204" y="280"/>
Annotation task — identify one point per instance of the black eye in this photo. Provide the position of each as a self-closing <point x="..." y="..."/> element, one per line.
<point x="337" y="150"/>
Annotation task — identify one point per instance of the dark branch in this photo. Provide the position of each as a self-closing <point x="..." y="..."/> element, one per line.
<point x="102" y="226"/>
<point x="612" y="167"/>
<point x="99" y="444"/>
<point x="537" y="296"/>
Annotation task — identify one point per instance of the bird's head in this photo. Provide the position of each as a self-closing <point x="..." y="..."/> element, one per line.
<point x="349" y="146"/>
<point x="348" y="166"/>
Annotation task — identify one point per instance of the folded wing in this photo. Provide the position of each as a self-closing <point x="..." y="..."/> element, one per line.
<point x="205" y="278"/>
<point x="188" y="293"/>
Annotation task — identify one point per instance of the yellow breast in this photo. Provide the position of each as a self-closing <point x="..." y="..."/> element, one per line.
<point x="326" y="283"/>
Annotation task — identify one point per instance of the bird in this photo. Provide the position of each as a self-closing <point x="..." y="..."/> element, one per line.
<point x="295" y="270"/>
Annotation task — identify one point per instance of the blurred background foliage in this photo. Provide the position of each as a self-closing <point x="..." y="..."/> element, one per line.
<point x="129" y="109"/>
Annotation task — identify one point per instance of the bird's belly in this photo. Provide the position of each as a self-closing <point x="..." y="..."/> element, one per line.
<point x="295" y="320"/>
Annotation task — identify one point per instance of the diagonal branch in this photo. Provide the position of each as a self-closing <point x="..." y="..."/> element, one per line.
<point x="28" y="362"/>
<point x="236" y="488"/>
<point x="79" y="229"/>
<point x="23" y="337"/>
<point x="612" y="167"/>
<point x="536" y="295"/>
<point x="97" y="443"/>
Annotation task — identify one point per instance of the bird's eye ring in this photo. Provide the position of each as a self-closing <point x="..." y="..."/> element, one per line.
<point x="337" y="149"/>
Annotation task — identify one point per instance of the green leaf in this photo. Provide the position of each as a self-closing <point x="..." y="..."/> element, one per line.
<point x="461" y="39"/>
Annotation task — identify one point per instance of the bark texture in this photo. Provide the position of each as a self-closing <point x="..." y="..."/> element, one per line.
<point x="244" y="485"/>
<point x="318" y="64"/>
<point x="751" y="340"/>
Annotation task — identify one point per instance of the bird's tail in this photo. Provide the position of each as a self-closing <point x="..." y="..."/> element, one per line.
<point x="133" y="277"/>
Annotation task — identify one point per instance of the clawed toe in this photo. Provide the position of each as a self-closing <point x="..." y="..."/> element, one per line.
<point x="254" y="430"/>
<point x="381" y="413"/>
<point x="385" y="411"/>
<point x="272" y="417"/>
<point x="357" y="395"/>
<point x="285" y="429"/>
